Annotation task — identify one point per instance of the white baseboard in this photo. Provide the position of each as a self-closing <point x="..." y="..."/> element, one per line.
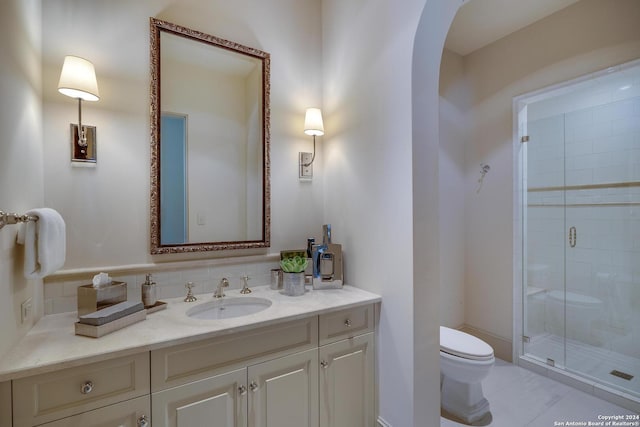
<point x="502" y="347"/>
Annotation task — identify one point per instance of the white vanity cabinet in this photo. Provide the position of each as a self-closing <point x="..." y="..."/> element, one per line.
<point x="263" y="377"/>
<point x="314" y="371"/>
<point x="279" y="393"/>
<point x="347" y="380"/>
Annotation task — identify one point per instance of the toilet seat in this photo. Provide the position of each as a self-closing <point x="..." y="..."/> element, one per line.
<point x="463" y="345"/>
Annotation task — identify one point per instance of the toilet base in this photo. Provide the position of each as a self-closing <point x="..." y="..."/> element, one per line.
<point x="463" y="400"/>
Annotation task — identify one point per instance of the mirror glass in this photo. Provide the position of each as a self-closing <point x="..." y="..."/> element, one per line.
<point x="209" y="142"/>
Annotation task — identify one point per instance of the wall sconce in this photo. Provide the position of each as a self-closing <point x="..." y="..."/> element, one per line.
<point x="312" y="126"/>
<point x="78" y="80"/>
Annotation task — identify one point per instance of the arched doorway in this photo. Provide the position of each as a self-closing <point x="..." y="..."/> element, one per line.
<point x="572" y="58"/>
<point x="427" y="53"/>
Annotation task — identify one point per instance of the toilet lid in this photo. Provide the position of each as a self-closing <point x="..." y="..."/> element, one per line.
<point x="464" y="345"/>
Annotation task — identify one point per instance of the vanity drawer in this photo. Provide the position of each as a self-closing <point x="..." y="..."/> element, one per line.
<point x="346" y="324"/>
<point x="131" y="413"/>
<point x="52" y="396"/>
<point x="174" y="366"/>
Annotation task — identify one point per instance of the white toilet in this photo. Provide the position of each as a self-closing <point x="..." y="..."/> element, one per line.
<point x="464" y="362"/>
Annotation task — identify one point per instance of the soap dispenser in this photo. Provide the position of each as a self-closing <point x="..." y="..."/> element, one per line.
<point x="149" y="292"/>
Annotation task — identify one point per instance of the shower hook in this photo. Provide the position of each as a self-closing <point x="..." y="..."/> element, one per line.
<point x="483" y="171"/>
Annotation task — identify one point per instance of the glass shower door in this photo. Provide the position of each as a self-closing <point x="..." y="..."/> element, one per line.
<point x="603" y="261"/>
<point x="544" y="241"/>
<point x="581" y="229"/>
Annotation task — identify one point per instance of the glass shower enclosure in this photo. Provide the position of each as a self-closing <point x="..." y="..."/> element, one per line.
<point x="580" y="174"/>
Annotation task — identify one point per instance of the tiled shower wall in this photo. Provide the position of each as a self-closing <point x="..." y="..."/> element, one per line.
<point x="60" y="294"/>
<point x="590" y="146"/>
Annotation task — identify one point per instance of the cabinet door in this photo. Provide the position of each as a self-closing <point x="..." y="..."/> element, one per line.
<point x="347" y="383"/>
<point x="218" y="401"/>
<point x="284" y="392"/>
<point x="131" y="413"/>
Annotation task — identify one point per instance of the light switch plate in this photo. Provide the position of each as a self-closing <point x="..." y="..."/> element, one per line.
<point x="305" y="173"/>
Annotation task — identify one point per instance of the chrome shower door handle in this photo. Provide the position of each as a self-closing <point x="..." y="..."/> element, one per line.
<point x="573" y="237"/>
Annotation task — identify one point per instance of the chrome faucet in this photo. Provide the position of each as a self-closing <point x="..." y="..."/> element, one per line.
<point x="219" y="292"/>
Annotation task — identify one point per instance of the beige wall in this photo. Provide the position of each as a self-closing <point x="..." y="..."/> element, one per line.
<point x="21" y="185"/>
<point x="454" y="124"/>
<point x="367" y="55"/>
<point x="106" y="207"/>
<point x="588" y="36"/>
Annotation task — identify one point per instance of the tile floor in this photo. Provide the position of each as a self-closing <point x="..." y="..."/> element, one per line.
<point x="522" y="398"/>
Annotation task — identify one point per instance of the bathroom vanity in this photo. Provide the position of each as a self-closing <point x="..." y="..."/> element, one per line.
<point x="304" y="361"/>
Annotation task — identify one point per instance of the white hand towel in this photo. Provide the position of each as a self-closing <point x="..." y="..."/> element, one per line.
<point x="44" y="243"/>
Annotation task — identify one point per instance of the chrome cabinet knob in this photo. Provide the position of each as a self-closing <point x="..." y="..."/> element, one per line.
<point x="86" y="388"/>
<point x="143" y="421"/>
<point x="242" y="390"/>
<point x="347" y="323"/>
<point x="253" y="386"/>
<point x="324" y="364"/>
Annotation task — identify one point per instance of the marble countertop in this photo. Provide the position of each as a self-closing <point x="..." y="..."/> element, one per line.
<point x="52" y="344"/>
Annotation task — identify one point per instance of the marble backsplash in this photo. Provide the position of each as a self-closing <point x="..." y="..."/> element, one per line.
<point x="60" y="291"/>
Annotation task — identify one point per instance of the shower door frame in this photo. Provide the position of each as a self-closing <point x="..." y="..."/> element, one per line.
<point x="519" y="130"/>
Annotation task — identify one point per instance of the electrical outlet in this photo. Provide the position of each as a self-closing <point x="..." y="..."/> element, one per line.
<point x="25" y="311"/>
<point x="305" y="172"/>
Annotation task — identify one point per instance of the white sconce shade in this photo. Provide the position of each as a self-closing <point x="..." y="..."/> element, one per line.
<point x="313" y="122"/>
<point x="78" y="79"/>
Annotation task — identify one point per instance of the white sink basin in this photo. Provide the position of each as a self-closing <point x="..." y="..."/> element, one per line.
<point x="226" y="308"/>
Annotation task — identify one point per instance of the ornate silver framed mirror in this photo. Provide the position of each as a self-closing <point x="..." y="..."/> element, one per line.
<point x="210" y="129"/>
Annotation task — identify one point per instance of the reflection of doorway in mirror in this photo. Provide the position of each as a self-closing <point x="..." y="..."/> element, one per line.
<point x="173" y="185"/>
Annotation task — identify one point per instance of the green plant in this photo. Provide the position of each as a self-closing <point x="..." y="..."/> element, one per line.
<point x="296" y="264"/>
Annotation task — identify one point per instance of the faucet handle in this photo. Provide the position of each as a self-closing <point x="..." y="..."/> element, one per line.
<point x="190" y="297"/>
<point x="245" y="286"/>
